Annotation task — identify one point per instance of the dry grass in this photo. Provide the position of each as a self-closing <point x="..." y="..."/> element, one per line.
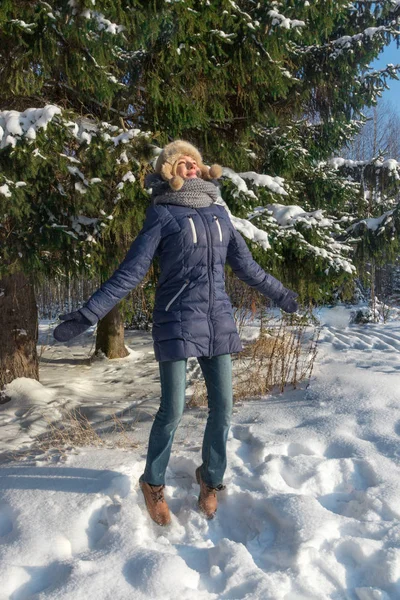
<point x="75" y="430"/>
<point x="283" y="355"/>
<point x="199" y="396"/>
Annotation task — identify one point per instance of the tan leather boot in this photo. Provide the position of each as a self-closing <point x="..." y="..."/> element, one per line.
<point x="155" y="502"/>
<point x="208" y="501"/>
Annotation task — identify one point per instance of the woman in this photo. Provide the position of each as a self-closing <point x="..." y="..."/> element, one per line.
<point x="193" y="238"/>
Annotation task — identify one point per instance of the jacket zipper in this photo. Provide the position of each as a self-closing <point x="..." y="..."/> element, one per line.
<point x="193" y="230"/>
<point x="177" y="294"/>
<point x="211" y="281"/>
<point x="219" y="228"/>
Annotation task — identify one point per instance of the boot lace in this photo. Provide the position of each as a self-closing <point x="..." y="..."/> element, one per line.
<point x="219" y="488"/>
<point x="157" y="493"/>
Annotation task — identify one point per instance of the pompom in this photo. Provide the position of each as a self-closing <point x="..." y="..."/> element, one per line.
<point x="205" y="172"/>
<point x="176" y="183"/>
<point x="215" y="171"/>
<point x="165" y="171"/>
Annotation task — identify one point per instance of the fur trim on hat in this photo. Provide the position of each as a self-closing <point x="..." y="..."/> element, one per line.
<point x="167" y="162"/>
<point x="213" y="172"/>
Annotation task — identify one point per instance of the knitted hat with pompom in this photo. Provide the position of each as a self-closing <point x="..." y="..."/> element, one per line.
<point x="167" y="163"/>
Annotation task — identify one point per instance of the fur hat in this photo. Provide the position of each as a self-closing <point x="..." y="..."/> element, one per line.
<point x="167" y="163"/>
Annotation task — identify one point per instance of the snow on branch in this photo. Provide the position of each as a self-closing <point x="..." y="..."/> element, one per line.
<point x="389" y="71"/>
<point x="287" y="216"/>
<point x="250" y="231"/>
<point x="5" y="188"/>
<point x="288" y="226"/>
<point x="292" y="222"/>
<point x="222" y="34"/>
<point x="347" y="43"/>
<point x="372" y="223"/>
<point x="103" y="24"/>
<point x="29" y="27"/>
<point x="375" y="81"/>
<point x="280" y="20"/>
<point x="15" y="125"/>
<point x="247" y="18"/>
<point x="391" y="165"/>
<point x="274" y="184"/>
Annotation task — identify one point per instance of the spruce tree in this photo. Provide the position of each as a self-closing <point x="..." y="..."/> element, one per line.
<point x="63" y="163"/>
<point x="275" y="88"/>
<point x="271" y="88"/>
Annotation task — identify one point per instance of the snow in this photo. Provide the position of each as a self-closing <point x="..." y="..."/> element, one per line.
<point x="28" y="26"/>
<point x="247" y="228"/>
<point x="286" y="216"/>
<point x="102" y="22"/>
<point x="31" y="407"/>
<point x="374" y="223"/>
<point x="80" y="187"/>
<point x="290" y="221"/>
<point x="311" y="508"/>
<point x="275" y="184"/>
<point x="389" y="164"/>
<point x="282" y="21"/>
<point x="348" y="42"/>
<point x="5" y="190"/>
<point x="129" y="176"/>
<point x="222" y="34"/>
<point x="14" y="124"/>
<point x="126" y="136"/>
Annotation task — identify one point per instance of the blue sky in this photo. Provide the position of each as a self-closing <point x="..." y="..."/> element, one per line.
<point x="391" y="54"/>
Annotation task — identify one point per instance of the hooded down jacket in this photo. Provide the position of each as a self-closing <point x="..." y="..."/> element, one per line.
<point x="192" y="314"/>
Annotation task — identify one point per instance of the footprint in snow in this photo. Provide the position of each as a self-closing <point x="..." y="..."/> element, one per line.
<point x="358" y="340"/>
<point x="42" y="579"/>
<point x="101" y="517"/>
<point x="340" y="450"/>
<point x="6" y="520"/>
<point x="93" y="523"/>
<point x="249" y="448"/>
<point x="296" y="449"/>
<point x="397" y="428"/>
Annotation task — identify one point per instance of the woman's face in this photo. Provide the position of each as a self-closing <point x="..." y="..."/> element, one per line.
<point x="187" y="168"/>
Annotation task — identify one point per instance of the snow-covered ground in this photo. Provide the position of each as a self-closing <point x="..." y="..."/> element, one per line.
<point x="312" y="505"/>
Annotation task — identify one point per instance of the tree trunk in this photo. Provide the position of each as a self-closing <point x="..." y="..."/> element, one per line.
<point x="18" y="329"/>
<point x="110" y="335"/>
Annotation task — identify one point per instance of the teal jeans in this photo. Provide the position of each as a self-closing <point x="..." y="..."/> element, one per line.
<point x="217" y="372"/>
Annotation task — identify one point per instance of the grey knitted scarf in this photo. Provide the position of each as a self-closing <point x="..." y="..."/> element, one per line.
<point x="195" y="193"/>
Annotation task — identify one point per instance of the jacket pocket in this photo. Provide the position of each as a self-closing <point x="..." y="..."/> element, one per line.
<point x="178" y="293"/>
<point x="219" y="228"/>
<point x="194" y="232"/>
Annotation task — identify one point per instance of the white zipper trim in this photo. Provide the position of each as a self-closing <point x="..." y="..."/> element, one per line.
<point x="176" y="295"/>
<point x="193" y="230"/>
<point x="219" y="228"/>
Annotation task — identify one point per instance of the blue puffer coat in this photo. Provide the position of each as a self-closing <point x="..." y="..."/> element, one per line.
<point x="193" y="314"/>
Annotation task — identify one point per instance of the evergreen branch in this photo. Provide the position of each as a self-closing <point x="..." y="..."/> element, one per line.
<point x="344" y="42"/>
<point x="120" y="113"/>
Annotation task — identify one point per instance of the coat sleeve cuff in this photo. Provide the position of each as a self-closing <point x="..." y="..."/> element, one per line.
<point x="89" y="315"/>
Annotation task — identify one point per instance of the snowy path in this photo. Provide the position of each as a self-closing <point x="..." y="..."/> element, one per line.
<point x="311" y="511"/>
